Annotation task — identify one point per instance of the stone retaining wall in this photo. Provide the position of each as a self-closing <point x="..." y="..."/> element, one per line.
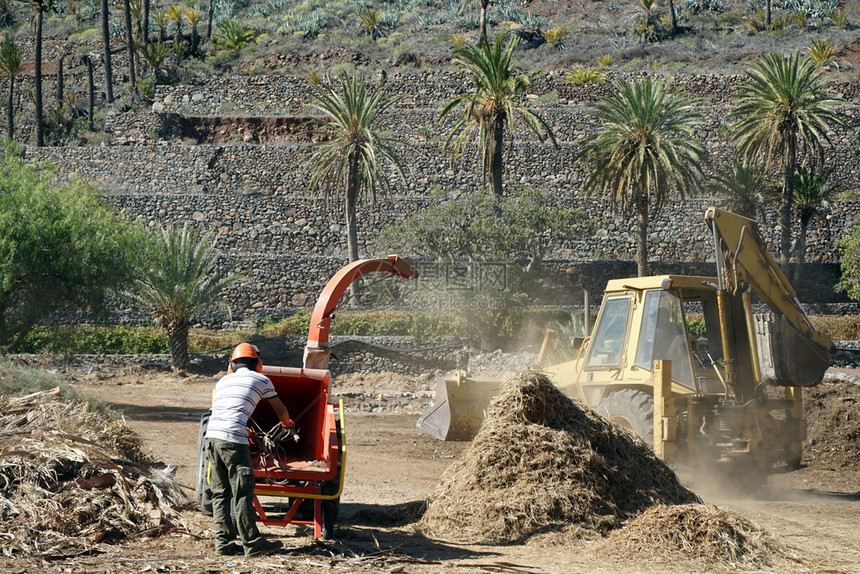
<point x="269" y="223"/>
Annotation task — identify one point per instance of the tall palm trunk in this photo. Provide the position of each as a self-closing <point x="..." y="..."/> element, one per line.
<point x="129" y="42"/>
<point x="91" y="85"/>
<point x="789" y="165"/>
<point x="177" y="341"/>
<point x="106" y="40"/>
<point x="482" y="18"/>
<point x="351" y="226"/>
<point x="805" y="220"/>
<point x="210" y="13"/>
<point x="60" y="84"/>
<point x="497" y="166"/>
<point x="642" y="234"/>
<point x="40" y="127"/>
<point x="674" y="19"/>
<point x="144" y="25"/>
<point x="10" y="107"/>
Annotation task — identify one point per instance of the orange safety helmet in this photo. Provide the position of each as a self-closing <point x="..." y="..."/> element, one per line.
<point x="245" y="351"/>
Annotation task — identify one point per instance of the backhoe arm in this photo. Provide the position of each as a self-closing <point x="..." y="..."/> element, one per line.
<point x="742" y="256"/>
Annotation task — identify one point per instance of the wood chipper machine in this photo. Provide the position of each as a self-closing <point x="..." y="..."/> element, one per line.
<point x="309" y="473"/>
<point x="727" y="393"/>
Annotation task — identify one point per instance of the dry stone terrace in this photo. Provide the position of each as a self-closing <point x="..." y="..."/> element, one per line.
<point x="256" y="196"/>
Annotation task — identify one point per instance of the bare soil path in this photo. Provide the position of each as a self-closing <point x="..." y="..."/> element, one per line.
<point x="392" y="468"/>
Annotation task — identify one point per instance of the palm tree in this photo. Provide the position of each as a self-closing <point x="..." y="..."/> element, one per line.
<point x="346" y="159"/>
<point x="491" y="106"/>
<point x="10" y="66"/>
<point x="193" y="16"/>
<point x="785" y="113"/>
<point x="810" y="199"/>
<point x="643" y="151"/>
<point x="175" y="14"/>
<point x="742" y="186"/>
<point x="180" y="280"/>
<point x="154" y="54"/>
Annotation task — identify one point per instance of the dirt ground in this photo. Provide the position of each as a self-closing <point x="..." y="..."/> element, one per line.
<point x="392" y="467"/>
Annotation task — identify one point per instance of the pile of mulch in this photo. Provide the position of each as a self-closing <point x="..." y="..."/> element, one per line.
<point x="698" y="532"/>
<point x="542" y="463"/>
<point x="832" y="413"/>
<point x="71" y="478"/>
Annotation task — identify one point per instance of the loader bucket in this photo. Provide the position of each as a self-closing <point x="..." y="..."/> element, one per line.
<point x="458" y="408"/>
<point x="787" y="358"/>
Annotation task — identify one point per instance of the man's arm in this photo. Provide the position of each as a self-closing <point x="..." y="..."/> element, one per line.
<point x="281" y="410"/>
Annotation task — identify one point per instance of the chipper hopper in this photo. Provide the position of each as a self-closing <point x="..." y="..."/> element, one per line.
<point x="307" y="474"/>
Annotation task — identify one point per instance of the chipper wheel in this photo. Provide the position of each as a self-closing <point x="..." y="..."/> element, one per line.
<point x="631" y="409"/>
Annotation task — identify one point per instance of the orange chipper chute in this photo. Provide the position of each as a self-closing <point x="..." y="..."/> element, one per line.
<point x="317" y="353"/>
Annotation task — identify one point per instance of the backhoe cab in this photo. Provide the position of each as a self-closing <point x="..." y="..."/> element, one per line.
<point x="703" y="369"/>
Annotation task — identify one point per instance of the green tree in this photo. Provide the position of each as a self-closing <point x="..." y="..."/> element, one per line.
<point x="61" y="249"/>
<point x="810" y="200"/>
<point x="491" y="106"/>
<point x="850" y="280"/>
<point x="642" y="152"/>
<point x="498" y="241"/>
<point x="179" y="279"/>
<point x="10" y="66"/>
<point x="345" y="162"/>
<point x="785" y="113"/>
<point x="743" y="187"/>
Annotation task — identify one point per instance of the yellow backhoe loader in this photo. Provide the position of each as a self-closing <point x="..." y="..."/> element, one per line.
<point x="728" y="392"/>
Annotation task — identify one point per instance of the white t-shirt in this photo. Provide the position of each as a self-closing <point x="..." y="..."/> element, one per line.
<point x="236" y="397"/>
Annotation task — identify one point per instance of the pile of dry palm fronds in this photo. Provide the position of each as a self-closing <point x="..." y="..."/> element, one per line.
<point x="70" y="477"/>
<point x="542" y="463"/>
<point x="695" y="531"/>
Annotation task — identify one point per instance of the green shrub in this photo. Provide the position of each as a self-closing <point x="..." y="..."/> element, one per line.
<point x="419" y="325"/>
<point x="86" y="36"/>
<point x="403" y="55"/>
<point x="96" y="340"/>
<point x="584" y="75"/>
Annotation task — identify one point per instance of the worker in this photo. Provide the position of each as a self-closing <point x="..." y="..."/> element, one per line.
<point x="231" y="475"/>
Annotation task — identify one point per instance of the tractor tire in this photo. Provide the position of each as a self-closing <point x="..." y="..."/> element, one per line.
<point x="202" y="493"/>
<point x="632" y="410"/>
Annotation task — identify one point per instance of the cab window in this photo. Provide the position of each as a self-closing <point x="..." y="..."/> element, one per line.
<point x="607" y="342"/>
<point x="664" y="336"/>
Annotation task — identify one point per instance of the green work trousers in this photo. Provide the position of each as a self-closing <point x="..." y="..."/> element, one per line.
<point x="231" y="480"/>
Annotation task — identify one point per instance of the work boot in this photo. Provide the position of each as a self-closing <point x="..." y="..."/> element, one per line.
<point x="231" y="549"/>
<point x="265" y="547"/>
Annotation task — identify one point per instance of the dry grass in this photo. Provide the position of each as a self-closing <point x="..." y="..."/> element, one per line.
<point x="541" y="463"/>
